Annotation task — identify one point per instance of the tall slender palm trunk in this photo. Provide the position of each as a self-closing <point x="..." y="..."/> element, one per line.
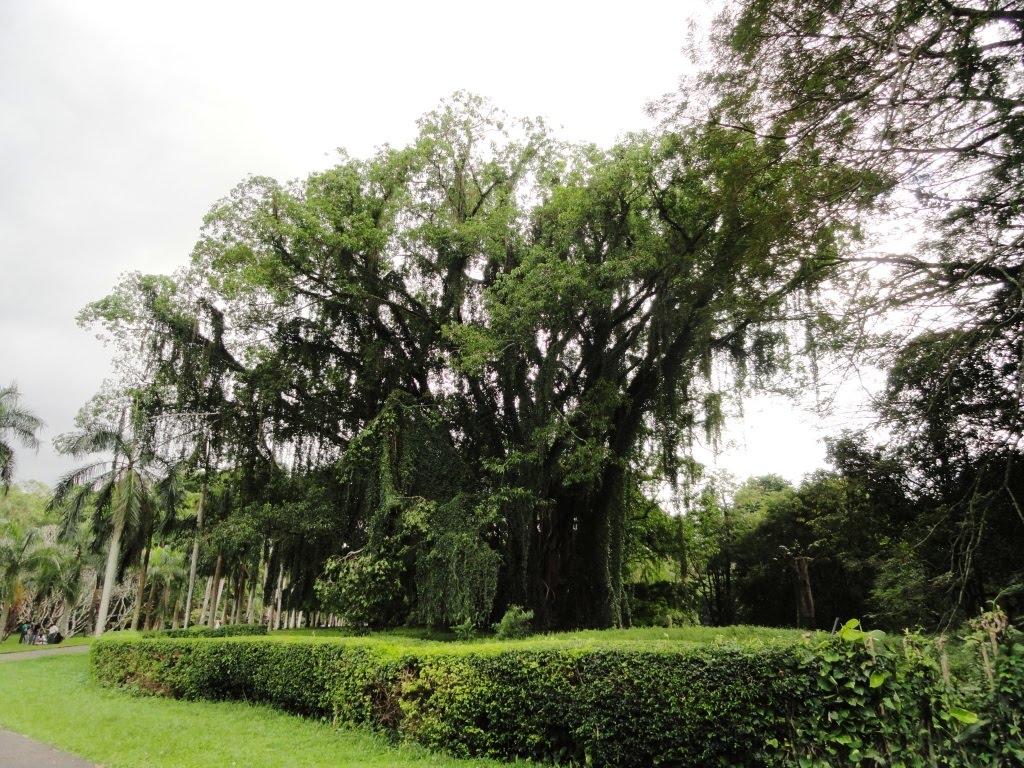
<point x="216" y="590"/>
<point x="140" y="593"/>
<point x="109" y="576"/>
<point x="195" y="554"/>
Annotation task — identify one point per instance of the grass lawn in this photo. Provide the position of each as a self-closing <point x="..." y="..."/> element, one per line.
<point x="54" y="700"/>
<point x="12" y="644"/>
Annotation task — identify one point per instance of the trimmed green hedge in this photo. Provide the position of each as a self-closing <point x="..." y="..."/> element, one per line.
<point x="228" y="630"/>
<point x="852" y="699"/>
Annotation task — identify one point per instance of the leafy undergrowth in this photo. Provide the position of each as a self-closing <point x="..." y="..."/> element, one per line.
<point x="54" y="700"/>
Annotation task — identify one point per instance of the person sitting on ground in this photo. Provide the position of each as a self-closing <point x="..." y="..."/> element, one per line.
<point x="53" y="635"/>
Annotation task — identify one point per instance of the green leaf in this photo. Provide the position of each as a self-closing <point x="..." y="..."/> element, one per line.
<point x="963" y="715"/>
<point x="878" y="678"/>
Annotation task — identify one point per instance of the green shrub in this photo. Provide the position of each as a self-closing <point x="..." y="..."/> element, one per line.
<point x="366" y="590"/>
<point x="464" y="631"/>
<point x="514" y="624"/>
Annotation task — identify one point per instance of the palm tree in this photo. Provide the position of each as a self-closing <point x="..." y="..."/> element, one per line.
<point x="60" y="575"/>
<point x="166" y="569"/>
<point x="122" y="490"/>
<point x="20" y="423"/>
<point x="23" y="551"/>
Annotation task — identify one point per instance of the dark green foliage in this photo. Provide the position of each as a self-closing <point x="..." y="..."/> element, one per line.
<point x="421" y="554"/>
<point x="805" y="558"/>
<point x="321" y="679"/>
<point x="953" y="402"/>
<point x="854" y="698"/>
<point x="366" y="591"/>
<point x="599" y="707"/>
<point x="659" y="603"/>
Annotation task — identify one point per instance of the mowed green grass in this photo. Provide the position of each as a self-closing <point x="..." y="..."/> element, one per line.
<point x="54" y="700"/>
<point x="13" y="643"/>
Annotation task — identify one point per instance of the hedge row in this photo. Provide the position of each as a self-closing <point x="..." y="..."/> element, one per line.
<point x="228" y="630"/>
<point x="847" y="701"/>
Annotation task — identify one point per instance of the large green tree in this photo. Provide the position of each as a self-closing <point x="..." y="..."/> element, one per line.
<point x="564" y="317"/>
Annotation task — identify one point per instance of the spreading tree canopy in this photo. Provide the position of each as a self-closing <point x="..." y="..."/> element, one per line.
<point x="491" y="339"/>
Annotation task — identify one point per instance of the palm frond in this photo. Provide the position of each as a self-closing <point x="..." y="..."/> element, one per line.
<point x="105" y="497"/>
<point x="170" y="493"/>
<point x="89" y="441"/>
<point x="18" y="420"/>
<point x="89" y="475"/>
<point x="73" y="512"/>
<point x="131" y="504"/>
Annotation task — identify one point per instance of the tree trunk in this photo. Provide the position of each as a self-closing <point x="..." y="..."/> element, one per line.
<point x="203" y="612"/>
<point x="804" y="596"/>
<point x="195" y="553"/>
<point x="65" y="617"/>
<point x="174" y="614"/>
<point x="250" y="610"/>
<point x="140" y="593"/>
<point x="236" y="616"/>
<point x="278" y="597"/>
<point x="218" y="591"/>
<point x="212" y="619"/>
<point x="165" y="603"/>
<point x="150" y="615"/>
<point x="109" y="576"/>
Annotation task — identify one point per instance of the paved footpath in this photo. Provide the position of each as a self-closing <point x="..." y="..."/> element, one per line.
<point x="20" y="752"/>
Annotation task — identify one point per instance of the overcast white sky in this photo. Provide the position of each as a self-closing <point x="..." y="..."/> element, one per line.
<point x="121" y="123"/>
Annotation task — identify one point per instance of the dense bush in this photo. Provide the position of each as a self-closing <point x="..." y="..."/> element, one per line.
<point x="515" y="624"/>
<point x="855" y="698"/>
